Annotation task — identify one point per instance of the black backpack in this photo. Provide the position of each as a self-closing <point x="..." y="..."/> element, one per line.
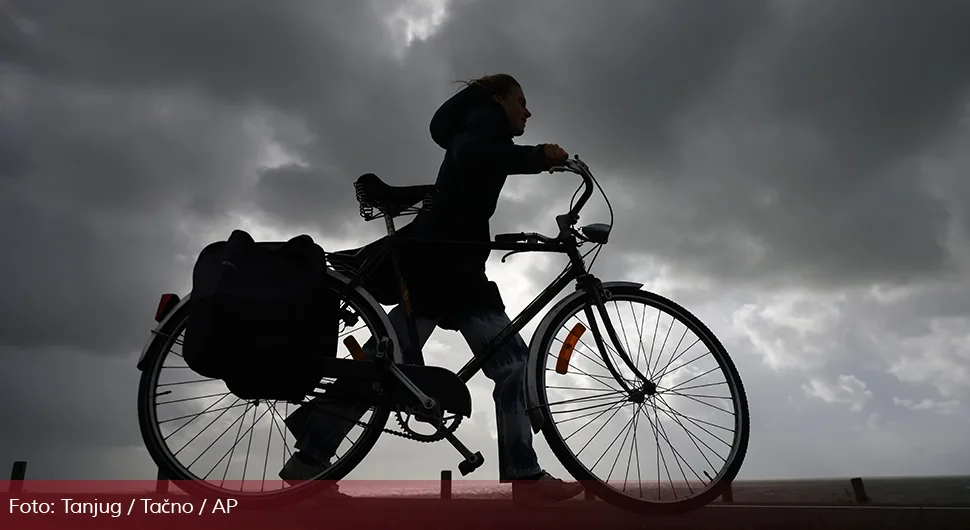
<point x="261" y="318"/>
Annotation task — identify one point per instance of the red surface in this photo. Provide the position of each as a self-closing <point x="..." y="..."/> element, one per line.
<point x="124" y="505"/>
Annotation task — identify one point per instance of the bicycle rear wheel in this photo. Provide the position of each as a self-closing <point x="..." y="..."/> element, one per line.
<point x="218" y="445"/>
<point x="645" y="424"/>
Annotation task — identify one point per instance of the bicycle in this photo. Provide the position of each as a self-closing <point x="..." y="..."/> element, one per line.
<point x="430" y="393"/>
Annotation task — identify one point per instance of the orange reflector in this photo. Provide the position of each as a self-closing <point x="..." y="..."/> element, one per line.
<point x="358" y="354"/>
<point x="355" y="350"/>
<point x="568" y="345"/>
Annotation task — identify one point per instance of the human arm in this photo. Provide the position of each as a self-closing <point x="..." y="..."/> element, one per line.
<point x="482" y="145"/>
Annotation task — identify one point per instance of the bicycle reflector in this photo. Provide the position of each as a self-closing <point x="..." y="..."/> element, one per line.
<point x="568" y="345"/>
<point x="358" y="354"/>
<point x="355" y="350"/>
<point x="165" y="305"/>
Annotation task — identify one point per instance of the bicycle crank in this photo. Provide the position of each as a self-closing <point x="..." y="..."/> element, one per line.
<point x="435" y="418"/>
<point x="472" y="461"/>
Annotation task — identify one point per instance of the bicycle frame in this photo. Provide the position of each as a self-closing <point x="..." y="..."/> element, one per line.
<point x="566" y="243"/>
<point x="576" y="270"/>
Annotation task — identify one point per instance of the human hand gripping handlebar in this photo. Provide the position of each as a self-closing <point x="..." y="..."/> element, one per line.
<point x="565" y="221"/>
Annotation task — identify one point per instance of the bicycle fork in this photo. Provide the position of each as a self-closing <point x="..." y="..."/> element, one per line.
<point x="599" y="297"/>
<point x="384" y="358"/>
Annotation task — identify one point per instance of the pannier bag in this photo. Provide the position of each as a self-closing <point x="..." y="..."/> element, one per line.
<point x="260" y="317"/>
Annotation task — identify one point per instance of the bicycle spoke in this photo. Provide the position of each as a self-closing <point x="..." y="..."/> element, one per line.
<point x="615" y="406"/>
<point x="699" y="401"/>
<point x="233" y="443"/>
<point x="594" y="378"/>
<point x="587" y="398"/>
<point x="688" y="418"/>
<point x="249" y="447"/>
<point x="580" y="388"/>
<point x="619" y="402"/>
<point x="664" y="345"/>
<point x="216" y="440"/>
<point x="676" y="455"/>
<point x="615" y="443"/>
<point x="192" y="399"/>
<point x="599" y="431"/>
<point x="269" y="437"/>
<point x="706" y="385"/>
<point x="209" y="380"/>
<point x="622" y="327"/>
<point x="667" y="369"/>
<point x="695" y="439"/>
<point x="696" y="377"/>
<point x="198" y="415"/>
<point x="583" y="343"/>
<point x="653" y="344"/>
<point x="226" y="409"/>
<point x="249" y="430"/>
<point x="640" y="340"/>
<point x="592" y="359"/>
<point x="236" y="442"/>
<point x="696" y="421"/>
<point x="633" y="448"/>
<point x="626" y="431"/>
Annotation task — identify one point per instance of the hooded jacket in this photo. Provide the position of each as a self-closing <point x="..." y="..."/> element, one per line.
<point x="475" y="133"/>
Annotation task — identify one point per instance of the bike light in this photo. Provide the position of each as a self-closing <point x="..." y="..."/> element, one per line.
<point x="355" y="350"/>
<point x="568" y="345"/>
<point x="165" y="305"/>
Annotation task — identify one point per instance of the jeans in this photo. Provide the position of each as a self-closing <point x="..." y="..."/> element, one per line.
<point x="319" y="434"/>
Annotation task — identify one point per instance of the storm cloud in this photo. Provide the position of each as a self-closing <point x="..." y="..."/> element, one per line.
<point x="791" y="171"/>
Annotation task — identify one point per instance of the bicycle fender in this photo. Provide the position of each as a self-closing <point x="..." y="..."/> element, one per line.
<point x="397" y="354"/>
<point x="533" y="367"/>
<point x="382" y="315"/>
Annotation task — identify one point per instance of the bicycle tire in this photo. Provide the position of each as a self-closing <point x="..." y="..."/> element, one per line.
<point x="173" y="470"/>
<point x="579" y="471"/>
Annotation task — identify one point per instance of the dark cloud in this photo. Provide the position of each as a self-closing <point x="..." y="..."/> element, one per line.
<point x="786" y="144"/>
<point x="99" y="193"/>
<point x="790" y="171"/>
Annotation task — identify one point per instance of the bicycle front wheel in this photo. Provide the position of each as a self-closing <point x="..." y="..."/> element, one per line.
<point x="631" y="443"/>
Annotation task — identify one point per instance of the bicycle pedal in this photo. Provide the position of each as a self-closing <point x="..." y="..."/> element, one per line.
<point x="471" y="463"/>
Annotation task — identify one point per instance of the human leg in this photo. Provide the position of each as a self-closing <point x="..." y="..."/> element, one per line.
<point x="321" y="424"/>
<point x="518" y="462"/>
<point x="516" y="457"/>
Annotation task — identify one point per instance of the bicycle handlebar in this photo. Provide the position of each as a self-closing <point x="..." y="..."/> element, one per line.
<point x="564" y="221"/>
<point x="575" y="165"/>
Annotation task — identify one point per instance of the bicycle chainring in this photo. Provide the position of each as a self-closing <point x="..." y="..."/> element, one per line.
<point x="411" y="434"/>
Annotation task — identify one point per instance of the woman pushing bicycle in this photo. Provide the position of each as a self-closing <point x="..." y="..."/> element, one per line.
<point x="448" y="288"/>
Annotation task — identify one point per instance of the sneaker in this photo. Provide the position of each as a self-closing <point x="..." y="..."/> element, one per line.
<point x="299" y="468"/>
<point x="545" y="489"/>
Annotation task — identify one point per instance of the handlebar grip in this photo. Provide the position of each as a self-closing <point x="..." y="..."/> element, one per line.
<point x="511" y="238"/>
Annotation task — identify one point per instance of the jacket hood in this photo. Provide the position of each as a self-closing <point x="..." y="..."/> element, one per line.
<point x="450" y="116"/>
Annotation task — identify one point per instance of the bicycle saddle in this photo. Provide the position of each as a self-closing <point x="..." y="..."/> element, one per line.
<point x="390" y="200"/>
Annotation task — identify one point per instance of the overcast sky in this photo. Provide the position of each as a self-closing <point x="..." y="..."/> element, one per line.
<point x="791" y="171"/>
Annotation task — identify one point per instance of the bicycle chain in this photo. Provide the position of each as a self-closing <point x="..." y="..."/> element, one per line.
<point x="406" y="435"/>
